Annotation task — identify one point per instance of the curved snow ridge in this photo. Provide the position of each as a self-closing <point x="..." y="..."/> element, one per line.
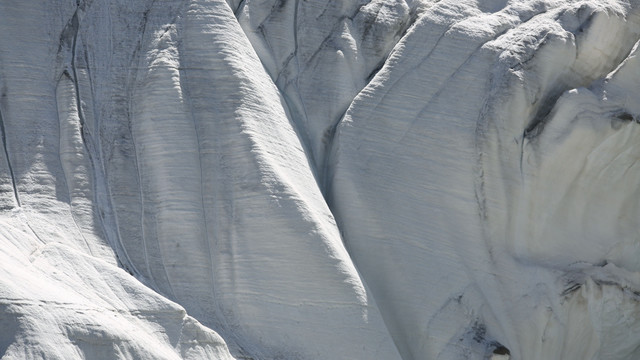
<point x="60" y="303"/>
<point x="560" y="120"/>
<point x="483" y="174"/>
<point x="321" y="54"/>
<point x="443" y="194"/>
<point x="157" y="124"/>
<point x="234" y="226"/>
<point x="550" y="171"/>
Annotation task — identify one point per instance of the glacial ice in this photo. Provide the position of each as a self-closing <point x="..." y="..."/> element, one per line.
<point x="358" y="179"/>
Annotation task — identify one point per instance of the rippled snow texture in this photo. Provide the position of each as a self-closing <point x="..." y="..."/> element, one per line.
<point x="292" y="179"/>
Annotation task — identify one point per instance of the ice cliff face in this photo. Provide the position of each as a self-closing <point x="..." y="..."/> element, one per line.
<point x="201" y="179"/>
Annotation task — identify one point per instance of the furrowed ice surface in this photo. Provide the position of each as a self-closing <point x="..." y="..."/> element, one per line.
<point x="163" y="167"/>
<point x="535" y="257"/>
<point x="331" y="46"/>
<point x="60" y="303"/>
<point x="234" y="225"/>
<point x="61" y="292"/>
<point x="160" y="135"/>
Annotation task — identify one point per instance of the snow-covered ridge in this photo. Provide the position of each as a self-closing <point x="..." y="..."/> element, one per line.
<point x="353" y="179"/>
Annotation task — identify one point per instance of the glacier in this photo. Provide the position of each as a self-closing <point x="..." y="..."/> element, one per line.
<point x="356" y="179"/>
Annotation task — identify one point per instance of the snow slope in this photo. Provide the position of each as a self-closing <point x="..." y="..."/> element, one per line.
<point x="482" y="231"/>
<point x="170" y="133"/>
<point x="357" y="179"/>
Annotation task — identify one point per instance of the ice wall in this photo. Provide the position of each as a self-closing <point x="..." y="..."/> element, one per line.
<point x="383" y="179"/>
<point x="158" y="143"/>
<point x="509" y="99"/>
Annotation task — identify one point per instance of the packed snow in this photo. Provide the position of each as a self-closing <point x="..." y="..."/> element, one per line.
<point x="358" y="179"/>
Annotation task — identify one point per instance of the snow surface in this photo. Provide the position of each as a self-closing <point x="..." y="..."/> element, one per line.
<point x="383" y="179"/>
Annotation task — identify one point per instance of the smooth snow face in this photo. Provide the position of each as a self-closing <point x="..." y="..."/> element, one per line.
<point x="478" y="158"/>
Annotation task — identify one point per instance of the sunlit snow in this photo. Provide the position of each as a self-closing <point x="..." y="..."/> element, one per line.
<point x="302" y="179"/>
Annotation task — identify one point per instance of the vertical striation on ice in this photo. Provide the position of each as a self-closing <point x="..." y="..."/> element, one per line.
<point x="358" y="179"/>
<point x="437" y="178"/>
